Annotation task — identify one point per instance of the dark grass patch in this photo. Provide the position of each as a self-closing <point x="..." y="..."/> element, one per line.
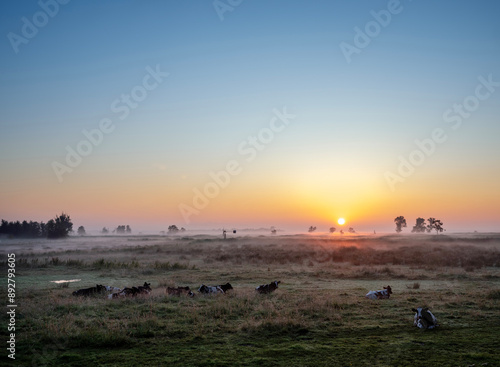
<point x="495" y="294"/>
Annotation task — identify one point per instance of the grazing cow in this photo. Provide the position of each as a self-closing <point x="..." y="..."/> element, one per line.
<point x="98" y="289"/>
<point x="267" y="288"/>
<point x="212" y="289"/>
<point x="424" y="319"/>
<point x="180" y="290"/>
<point x="383" y="294"/>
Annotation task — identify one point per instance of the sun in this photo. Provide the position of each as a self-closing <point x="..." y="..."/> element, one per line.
<point x="341" y="221"/>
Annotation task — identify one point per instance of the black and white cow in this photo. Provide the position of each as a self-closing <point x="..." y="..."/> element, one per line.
<point x="112" y="289"/>
<point x="424" y="319"/>
<point x="179" y="291"/>
<point x="214" y="289"/>
<point x="132" y="292"/>
<point x="383" y="294"/>
<point x="268" y="288"/>
<point x="98" y="289"/>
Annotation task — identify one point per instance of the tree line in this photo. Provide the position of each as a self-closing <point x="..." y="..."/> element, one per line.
<point x="332" y="230"/>
<point x="58" y="227"/>
<point x="420" y="225"/>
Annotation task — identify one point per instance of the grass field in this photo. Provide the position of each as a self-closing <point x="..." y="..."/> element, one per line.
<point x="317" y="317"/>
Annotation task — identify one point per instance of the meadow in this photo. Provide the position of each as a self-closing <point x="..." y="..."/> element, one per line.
<point x="317" y="317"/>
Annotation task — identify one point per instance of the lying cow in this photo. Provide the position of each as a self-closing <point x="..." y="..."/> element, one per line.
<point x="383" y="294"/>
<point x="112" y="289"/>
<point x="98" y="289"/>
<point x="267" y="288"/>
<point x="424" y="319"/>
<point x="214" y="289"/>
<point x="179" y="291"/>
<point x="145" y="288"/>
<point x="132" y="292"/>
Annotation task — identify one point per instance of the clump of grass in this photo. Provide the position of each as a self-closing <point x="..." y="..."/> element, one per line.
<point x="75" y="263"/>
<point x="415" y="285"/>
<point x="167" y="266"/>
<point x="494" y="294"/>
<point x="165" y="283"/>
<point x="107" y="264"/>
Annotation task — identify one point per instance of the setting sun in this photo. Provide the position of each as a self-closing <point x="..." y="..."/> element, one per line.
<point x="341" y="221"/>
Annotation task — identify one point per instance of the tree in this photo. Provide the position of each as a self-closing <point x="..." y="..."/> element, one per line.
<point x="123" y="229"/>
<point x="81" y="231"/>
<point x="273" y="230"/>
<point x="332" y="229"/>
<point x="104" y="230"/>
<point x="59" y="227"/>
<point x="351" y="230"/>
<point x="435" y="224"/>
<point x="311" y="229"/>
<point x="419" y="227"/>
<point x="400" y="223"/>
<point x="173" y="229"/>
<point x="25" y="229"/>
<point x="4" y="227"/>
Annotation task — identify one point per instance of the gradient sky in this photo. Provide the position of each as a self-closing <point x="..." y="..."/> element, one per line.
<point x="228" y="74"/>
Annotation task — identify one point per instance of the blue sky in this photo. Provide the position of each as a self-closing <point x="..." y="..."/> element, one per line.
<point x="225" y="78"/>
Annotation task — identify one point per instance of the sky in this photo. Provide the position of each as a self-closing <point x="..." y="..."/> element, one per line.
<point x="249" y="114"/>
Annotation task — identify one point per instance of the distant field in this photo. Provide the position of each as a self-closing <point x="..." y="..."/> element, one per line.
<point x="317" y="317"/>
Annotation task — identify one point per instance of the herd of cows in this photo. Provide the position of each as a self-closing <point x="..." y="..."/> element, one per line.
<point x="423" y="319"/>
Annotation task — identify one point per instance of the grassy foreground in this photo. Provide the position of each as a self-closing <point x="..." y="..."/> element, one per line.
<point x="318" y="316"/>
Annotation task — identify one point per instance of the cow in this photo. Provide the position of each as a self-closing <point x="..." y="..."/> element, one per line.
<point x="145" y="288"/>
<point x="207" y="289"/>
<point x="179" y="290"/>
<point x="382" y="294"/>
<point x="268" y="288"/>
<point x="225" y="287"/>
<point x="424" y="319"/>
<point x="98" y="289"/>
<point x="214" y="289"/>
<point x="134" y="291"/>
